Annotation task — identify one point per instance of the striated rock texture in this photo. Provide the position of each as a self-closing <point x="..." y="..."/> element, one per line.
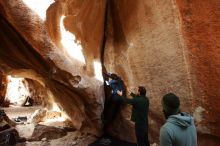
<point x="37" y="92"/>
<point x="164" y="45"/>
<point x="144" y="46"/>
<point x="19" y="90"/>
<point x="167" y="46"/>
<point x="200" y="29"/>
<point x="43" y="56"/>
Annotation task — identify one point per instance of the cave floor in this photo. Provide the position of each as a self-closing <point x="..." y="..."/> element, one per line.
<point x="109" y="141"/>
<point x="25" y="130"/>
<point x="14" y="111"/>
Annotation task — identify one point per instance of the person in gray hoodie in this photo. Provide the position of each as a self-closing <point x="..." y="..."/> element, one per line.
<point x="179" y="129"/>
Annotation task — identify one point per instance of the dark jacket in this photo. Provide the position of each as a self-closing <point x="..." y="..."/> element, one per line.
<point x="115" y="86"/>
<point x="140" y="108"/>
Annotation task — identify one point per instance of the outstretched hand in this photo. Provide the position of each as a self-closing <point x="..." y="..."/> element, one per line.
<point x="119" y="93"/>
<point x="132" y="90"/>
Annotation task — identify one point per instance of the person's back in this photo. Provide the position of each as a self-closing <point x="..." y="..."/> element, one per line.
<point x="140" y="108"/>
<point x="179" y="130"/>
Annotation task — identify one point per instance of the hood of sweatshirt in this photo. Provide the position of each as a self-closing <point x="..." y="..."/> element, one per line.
<point x="183" y="120"/>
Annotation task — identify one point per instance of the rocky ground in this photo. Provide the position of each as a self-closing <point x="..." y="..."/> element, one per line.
<point x="53" y="133"/>
<point x="46" y="133"/>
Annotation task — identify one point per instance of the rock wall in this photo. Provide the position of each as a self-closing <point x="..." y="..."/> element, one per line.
<point x="3" y="87"/>
<point x="166" y="47"/>
<point x="142" y="45"/>
<point x="18" y="90"/>
<point x="75" y="85"/>
<point x="37" y="92"/>
<point x="200" y="29"/>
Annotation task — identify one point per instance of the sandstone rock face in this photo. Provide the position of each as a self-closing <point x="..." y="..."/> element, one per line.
<point x="142" y="45"/>
<point x="166" y="46"/>
<point x="38" y="116"/>
<point x="200" y="27"/>
<point x="74" y="83"/>
<point x="3" y="87"/>
<point x="19" y="90"/>
<point x="37" y="92"/>
<point x="52" y="114"/>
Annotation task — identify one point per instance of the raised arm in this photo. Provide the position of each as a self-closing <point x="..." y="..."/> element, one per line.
<point x="131" y="101"/>
<point x="133" y="95"/>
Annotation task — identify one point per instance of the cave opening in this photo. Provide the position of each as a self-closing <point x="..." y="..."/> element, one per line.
<point x="24" y="92"/>
<point x="27" y="95"/>
<point x="29" y="107"/>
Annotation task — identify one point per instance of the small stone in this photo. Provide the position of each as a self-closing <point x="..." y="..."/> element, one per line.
<point x="74" y="143"/>
<point x="44" y="139"/>
<point x="38" y="116"/>
<point x="76" y="137"/>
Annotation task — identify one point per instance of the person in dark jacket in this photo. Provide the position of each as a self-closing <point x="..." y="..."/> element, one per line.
<point x="113" y="101"/>
<point x="179" y="129"/>
<point x="140" y="108"/>
<point x="115" y="84"/>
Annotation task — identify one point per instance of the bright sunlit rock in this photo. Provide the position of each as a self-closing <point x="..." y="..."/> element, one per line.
<point x="39" y="6"/>
<point x="55" y="107"/>
<point x="59" y="119"/>
<point x="16" y="90"/>
<point x="98" y="71"/>
<point x="68" y="40"/>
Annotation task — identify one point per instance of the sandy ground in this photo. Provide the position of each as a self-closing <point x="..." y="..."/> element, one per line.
<point x="26" y="130"/>
<point x="13" y="112"/>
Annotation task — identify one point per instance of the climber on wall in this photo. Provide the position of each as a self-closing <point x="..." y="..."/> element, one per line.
<point x="116" y="84"/>
<point x="113" y="101"/>
<point x="179" y="129"/>
<point x="140" y="108"/>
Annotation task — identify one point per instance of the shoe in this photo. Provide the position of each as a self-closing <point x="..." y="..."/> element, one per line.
<point x="105" y="141"/>
<point x="21" y="139"/>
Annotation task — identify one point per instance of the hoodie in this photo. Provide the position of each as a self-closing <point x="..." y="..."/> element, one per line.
<point x="179" y="130"/>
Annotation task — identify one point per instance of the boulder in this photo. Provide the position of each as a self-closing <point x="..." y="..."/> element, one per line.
<point x="43" y="133"/>
<point x="52" y="114"/>
<point x="38" y="116"/>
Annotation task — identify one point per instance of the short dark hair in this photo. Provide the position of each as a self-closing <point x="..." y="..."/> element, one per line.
<point x="142" y="90"/>
<point x="114" y="76"/>
<point x="171" y="104"/>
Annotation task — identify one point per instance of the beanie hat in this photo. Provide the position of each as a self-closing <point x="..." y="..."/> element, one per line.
<point x="171" y="103"/>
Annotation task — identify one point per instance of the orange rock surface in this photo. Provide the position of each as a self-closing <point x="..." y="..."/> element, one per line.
<point x="166" y="46"/>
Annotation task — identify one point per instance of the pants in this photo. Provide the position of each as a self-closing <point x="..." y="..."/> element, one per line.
<point x="111" y="110"/>
<point x="141" y="131"/>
